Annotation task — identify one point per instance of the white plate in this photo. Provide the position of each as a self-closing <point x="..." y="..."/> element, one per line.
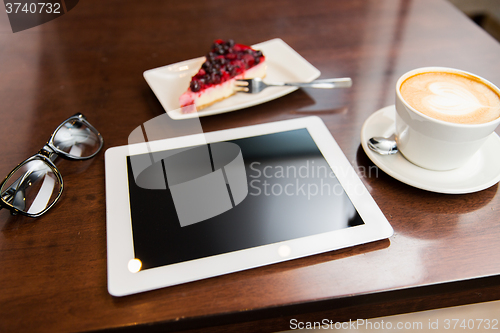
<point x="283" y="64"/>
<point x="481" y="172"/>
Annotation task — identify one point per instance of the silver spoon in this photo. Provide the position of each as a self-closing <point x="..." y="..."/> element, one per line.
<point x="383" y="146"/>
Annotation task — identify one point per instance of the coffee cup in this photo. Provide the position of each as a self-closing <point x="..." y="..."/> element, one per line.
<point x="444" y="115"/>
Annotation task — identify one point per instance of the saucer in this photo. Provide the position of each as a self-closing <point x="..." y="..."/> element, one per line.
<point x="480" y="172"/>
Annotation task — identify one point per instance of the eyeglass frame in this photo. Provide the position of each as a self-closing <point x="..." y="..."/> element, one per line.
<point x="48" y="154"/>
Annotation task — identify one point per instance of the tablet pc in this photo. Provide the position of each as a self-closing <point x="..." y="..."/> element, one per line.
<point x="199" y="206"/>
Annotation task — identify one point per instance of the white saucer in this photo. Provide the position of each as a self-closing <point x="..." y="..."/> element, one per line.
<point x="481" y="172"/>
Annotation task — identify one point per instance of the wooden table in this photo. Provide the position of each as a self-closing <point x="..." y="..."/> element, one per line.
<point x="445" y="249"/>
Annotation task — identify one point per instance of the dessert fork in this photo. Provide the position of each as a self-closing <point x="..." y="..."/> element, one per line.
<point x="253" y="86"/>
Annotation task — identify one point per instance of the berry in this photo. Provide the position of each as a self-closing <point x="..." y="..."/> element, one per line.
<point x="215" y="78"/>
<point x="206" y="65"/>
<point x="195" y="86"/>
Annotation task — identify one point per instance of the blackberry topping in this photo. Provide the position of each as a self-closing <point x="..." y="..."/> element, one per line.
<point x="207" y="65"/>
<point x="225" y="60"/>
<point x="215" y="77"/>
<point x="195" y="85"/>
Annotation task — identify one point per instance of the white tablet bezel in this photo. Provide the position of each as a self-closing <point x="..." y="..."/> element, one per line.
<point x="120" y="247"/>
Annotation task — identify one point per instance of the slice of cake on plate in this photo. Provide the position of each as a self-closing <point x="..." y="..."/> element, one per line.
<point x="225" y="63"/>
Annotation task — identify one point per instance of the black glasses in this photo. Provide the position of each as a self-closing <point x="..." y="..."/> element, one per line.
<point x="35" y="185"/>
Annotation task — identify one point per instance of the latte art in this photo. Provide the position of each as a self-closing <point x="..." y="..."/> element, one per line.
<point x="451" y="97"/>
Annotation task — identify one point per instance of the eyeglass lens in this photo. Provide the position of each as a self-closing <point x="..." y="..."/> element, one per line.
<point x="32" y="188"/>
<point x="76" y="139"/>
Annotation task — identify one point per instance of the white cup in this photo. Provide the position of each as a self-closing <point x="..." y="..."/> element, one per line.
<point x="436" y="144"/>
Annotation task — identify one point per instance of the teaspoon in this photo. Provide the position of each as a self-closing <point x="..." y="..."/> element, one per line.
<point x="383" y="146"/>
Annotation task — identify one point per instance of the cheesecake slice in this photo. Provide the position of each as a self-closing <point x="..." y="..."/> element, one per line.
<point x="225" y="63"/>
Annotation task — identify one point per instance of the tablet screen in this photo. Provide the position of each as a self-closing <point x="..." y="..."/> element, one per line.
<point x="292" y="193"/>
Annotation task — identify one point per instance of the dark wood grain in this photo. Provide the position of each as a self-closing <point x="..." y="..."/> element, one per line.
<point x="53" y="269"/>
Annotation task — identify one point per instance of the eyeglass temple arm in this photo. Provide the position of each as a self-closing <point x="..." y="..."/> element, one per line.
<point x="11" y="194"/>
<point x="7" y="195"/>
<point x="20" y="185"/>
